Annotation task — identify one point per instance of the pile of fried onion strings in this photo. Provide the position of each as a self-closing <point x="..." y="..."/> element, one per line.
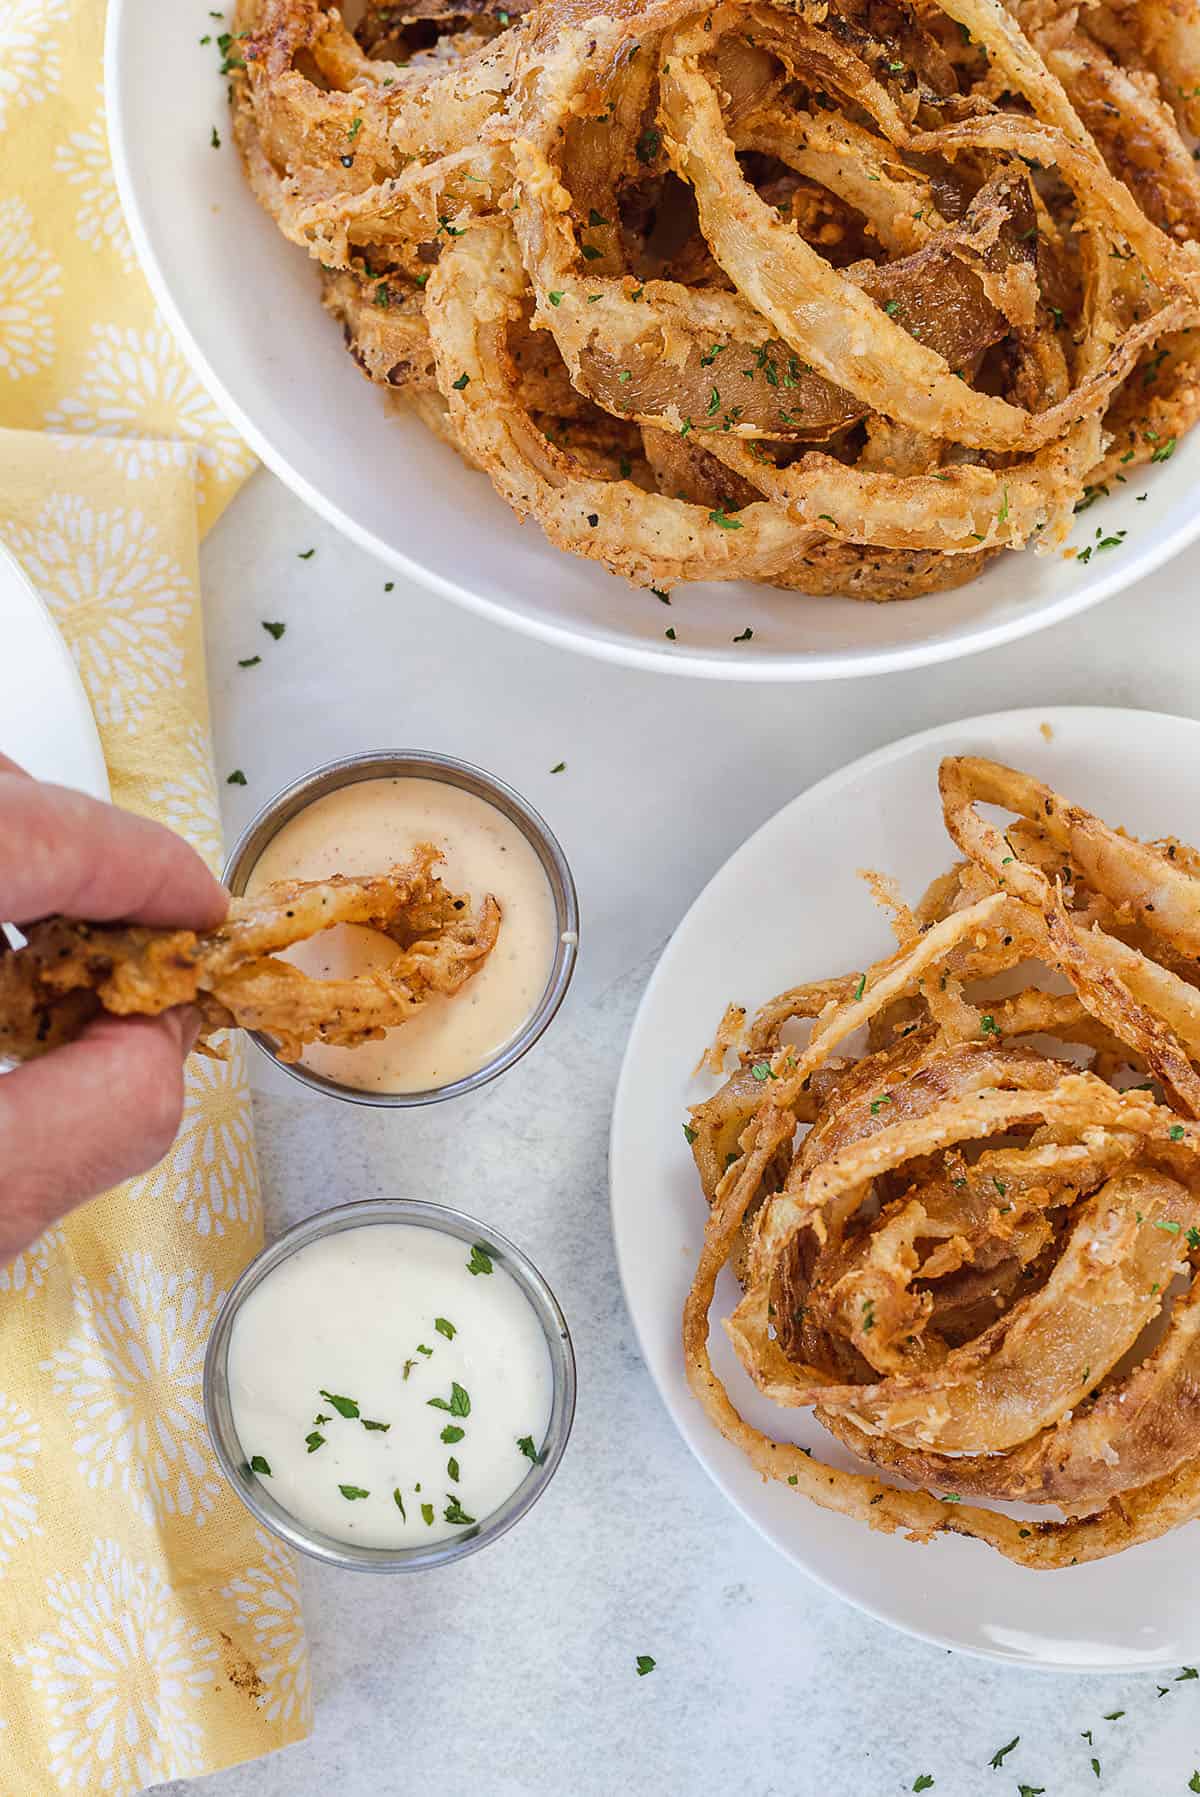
<point x="961" y="1191"/>
<point x="839" y="295"/>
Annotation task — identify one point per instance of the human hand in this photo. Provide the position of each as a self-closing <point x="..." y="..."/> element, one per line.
<point x="107" y="1105"/>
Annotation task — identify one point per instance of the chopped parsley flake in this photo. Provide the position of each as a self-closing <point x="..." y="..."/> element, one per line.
<point x="645" y="1663"/>
<point x="464" y="380"/>
<point x="376" y="1428"/>
<point x="237" y="778"/>
<point x="214" y="140"/>
<point x="427" y="1513"/>
<point x="1001" y="1753"/>
<point x="454" y="1512"/>
<point x="351" y="1492"/>
<point x="399" y="1503"/>
<point x="273" y="629"/>
<point x="555" y="298"/>
<point x="314" y="1441"/>
<point x="1176" y="1132"/>
<point x="249" y="661"/>
<point x="343" y="1406"/>
<point x="525" y="1443"/>
<point x="480" y="1261"/>
<point x="458" y="1403"/>
<point x="745" y="636"/>
<point x="452" y="1433"/>
<point x="445" y="1328"/>
<point x="689" y="1134"/>
<point x="923" y="1783"/>
<point x="258" y="1465"/>
<point x="720" y="517"/>
<point x="452" y="1468"/>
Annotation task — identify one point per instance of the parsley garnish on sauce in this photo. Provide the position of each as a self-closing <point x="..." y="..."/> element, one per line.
<point x="645" y="1663"/>
<point x="445" y="1328"/>
<point x="458" y="1403"/>
<point x="379" y="1428"/>
<point x="560" y="767"/>
<point x="452" y="1468"/>
<point x="314" y="1441"/>
<point x="343" y="1406"/>
<point x="525" y="1443"/>
<point x="1001" y="1753"/>
<point x="305" y="555"/>
<point x="399" y="1503"/>
<point x="274" y="629"/>
<point x="923" y="1783"/>
<point x="427" y="1513"/>
<point x="237" y="778"/>
<point x="481" y="1259"/>
<point x="353" y="1491"/>
<point x="452" y="1433"/>
<point x="258" y="1465"/>
<point x="454" y="1512"/>
<point x="249" y="661"/>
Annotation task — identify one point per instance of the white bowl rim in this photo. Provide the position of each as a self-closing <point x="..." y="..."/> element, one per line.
<point x="789" y="666"/>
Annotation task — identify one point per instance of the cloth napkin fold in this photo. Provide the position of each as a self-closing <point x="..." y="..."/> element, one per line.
<point x="148" y="1629"/>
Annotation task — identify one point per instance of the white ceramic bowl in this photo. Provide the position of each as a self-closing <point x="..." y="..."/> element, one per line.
<point x="244" y="305"/>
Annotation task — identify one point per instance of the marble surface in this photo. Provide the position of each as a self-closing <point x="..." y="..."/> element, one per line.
<point x="513" y="1675"/>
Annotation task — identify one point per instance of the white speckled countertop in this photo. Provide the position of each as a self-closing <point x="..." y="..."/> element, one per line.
<point x="513" y="1674"/>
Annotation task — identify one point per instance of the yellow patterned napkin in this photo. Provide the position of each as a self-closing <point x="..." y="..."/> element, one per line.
<point x="82" y="348"/>
<point x="148" y="1630"/>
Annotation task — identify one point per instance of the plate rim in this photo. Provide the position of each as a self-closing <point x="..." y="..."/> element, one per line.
<point x="88" y="733"/>
<point x="693" y="1437"/>
<point x="787" y="668"/>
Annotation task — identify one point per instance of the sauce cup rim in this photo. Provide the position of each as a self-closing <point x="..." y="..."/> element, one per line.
<point x="423" y="764"/>
<point x="218" y="1411"/>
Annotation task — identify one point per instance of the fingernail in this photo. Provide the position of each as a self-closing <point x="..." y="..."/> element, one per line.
<point x="190" y="1023"/>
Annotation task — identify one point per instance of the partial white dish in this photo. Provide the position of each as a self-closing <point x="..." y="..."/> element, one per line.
<point x="46" y="723"/>
<point x="244" y="306"/>
<point x="787" y="907"/>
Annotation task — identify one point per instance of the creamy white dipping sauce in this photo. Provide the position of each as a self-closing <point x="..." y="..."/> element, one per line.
<point x="369" y="826"/>
<point x="387" y="1324"/>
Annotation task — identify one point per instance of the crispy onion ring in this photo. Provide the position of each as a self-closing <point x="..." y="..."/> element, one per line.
<point x="972" y="1254"/>
<point x="68" y="971"/>
<point x="879" y="292"/>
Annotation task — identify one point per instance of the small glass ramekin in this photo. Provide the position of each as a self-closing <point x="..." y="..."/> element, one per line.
<point x="424" y="765"/>
<point x="231" y="1455"/>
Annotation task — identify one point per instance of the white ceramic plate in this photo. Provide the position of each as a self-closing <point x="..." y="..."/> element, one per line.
<point x="788" y="907"/>
<point x="46" y="723"/>
<point x="244" y="305"/>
